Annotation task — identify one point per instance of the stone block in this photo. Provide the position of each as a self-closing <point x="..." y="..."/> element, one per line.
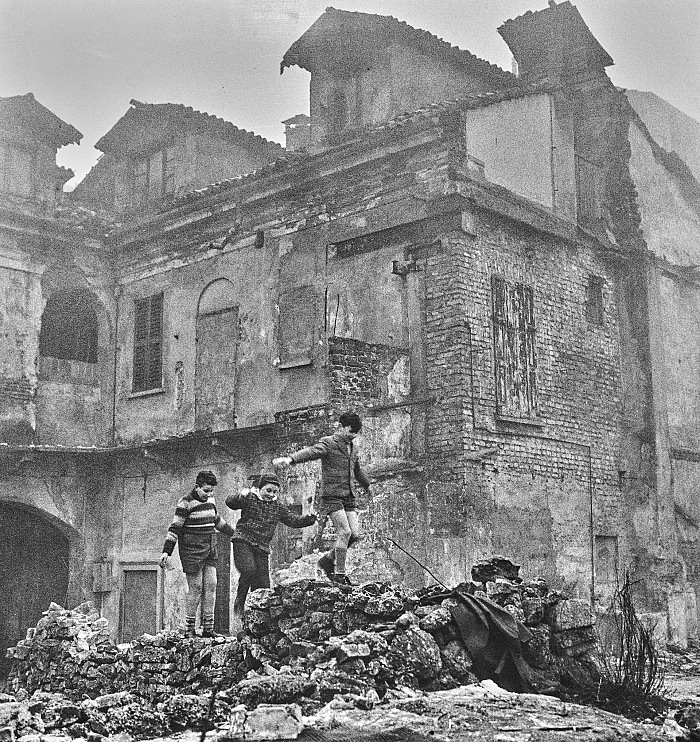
<point x="266" y="722"/>
<point x="571" y="614"/>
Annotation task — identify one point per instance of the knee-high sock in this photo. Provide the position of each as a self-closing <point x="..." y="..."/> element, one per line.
<point x="340" y="554"/>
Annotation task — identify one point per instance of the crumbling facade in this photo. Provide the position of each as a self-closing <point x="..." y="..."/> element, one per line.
<point x="482" y="279"/>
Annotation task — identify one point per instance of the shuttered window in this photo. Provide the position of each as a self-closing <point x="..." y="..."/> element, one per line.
<point x="148" y="343"/>
<point x="153" y="177"/>
<point x="514" y="349"/>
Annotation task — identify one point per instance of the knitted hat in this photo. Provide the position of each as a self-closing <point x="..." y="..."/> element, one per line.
<point x="260" y="480"/>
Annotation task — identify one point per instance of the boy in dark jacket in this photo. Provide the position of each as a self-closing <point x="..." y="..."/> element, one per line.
<point x="261" y="511"/>
<point x="340" y="468"/>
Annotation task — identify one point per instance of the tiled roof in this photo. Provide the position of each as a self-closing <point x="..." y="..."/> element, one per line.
<point x="380" y="29"/>
<point x="25" y="111"/>
<point x="430" y="112"/>
<point x="141" y="114"/>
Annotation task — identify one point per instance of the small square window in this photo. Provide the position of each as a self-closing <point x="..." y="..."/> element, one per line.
<point x="594" y="301"/>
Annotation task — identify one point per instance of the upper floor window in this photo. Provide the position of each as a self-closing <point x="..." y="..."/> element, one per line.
<point x="594" y="300"/>
<point x="148" y="343"/>
<point x="16" y="170"/>
<point x="514" y="348"/>
<point x="69" y="327"/>
<point x="153" y="176"/>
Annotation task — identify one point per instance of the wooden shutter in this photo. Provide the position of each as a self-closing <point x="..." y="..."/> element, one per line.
<point x="514" y="348"/>
<point x="499" y="295"/>
<point x="148" y="342"/>
<point x="297" y="318"/>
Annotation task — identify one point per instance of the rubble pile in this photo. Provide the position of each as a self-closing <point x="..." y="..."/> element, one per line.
<point x="56" y="718"/>
<point x="304" y="643"/>
<point x="70" y="652"/>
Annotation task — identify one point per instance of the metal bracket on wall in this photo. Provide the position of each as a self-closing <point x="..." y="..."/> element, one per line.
<point x="216" y="443"/>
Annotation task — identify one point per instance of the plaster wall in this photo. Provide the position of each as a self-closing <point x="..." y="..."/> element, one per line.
<point x="680" y="307"/>
<point x="20" y="301"/>
<point x="514" y="140"/>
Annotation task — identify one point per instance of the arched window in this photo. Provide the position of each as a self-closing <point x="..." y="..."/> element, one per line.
<point x="69" y="327"/>
<point x="215" y="365"/>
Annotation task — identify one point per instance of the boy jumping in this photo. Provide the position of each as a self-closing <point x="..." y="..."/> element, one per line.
<point x="340" y="468"/>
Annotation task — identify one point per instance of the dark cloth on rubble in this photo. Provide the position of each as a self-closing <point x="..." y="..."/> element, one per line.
<point x="493" y="639"/>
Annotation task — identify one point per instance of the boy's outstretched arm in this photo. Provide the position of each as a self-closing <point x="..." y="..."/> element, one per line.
<point x="310" y="453"/>
<point x="295" y="521"/>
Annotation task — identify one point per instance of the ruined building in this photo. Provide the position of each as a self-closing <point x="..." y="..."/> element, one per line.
<point x="497" y="271"/>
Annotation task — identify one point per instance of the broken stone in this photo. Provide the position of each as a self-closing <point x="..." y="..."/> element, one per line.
<point x="436" y="619"/>
<point x="488" y="570"/>
<point x="415" y="651"/>
<point x="457" y="662"/>
<point x="570" y="614"/>
<point x="267" y="722"/>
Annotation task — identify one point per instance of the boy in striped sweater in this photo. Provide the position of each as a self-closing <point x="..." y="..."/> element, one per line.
<point x="194" y="531"/>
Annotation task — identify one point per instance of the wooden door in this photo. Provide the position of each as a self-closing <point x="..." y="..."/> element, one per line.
<point x="215" y="370"/>
<point x="33" y="572"/>
<point x="139" y="602"/>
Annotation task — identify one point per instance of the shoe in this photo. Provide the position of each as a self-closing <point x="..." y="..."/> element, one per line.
<point x="326" y="565"/>
<point x="340" y="579"/>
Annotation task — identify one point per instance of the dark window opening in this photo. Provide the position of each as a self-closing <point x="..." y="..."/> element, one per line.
<point x="594" y="300"/>
<point x="69" y="327"/>
<point x="148" y="343"/>
<point x="153" y="176"/>
<point x="514" y="349"/>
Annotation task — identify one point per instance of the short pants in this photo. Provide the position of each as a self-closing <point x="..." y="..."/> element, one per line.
<point x="328" y="505"/>
<point x="197" y="550"/>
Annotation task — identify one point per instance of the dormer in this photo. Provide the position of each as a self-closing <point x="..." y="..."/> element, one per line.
<point x="555" y="45"/>
<point x="365" y="69"/>
<point x="30" y="136"/>
<point x="159" y="151"/>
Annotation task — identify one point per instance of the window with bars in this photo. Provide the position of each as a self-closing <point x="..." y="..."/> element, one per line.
<point x="148" y="343"/>
<point x="594" y="300"/>
<point x="154" y="176"/>
<point x="514" y="349"/>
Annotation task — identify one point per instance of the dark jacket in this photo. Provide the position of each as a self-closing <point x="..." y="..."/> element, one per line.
<point x="339" y="465"/>
<point x="259" y="518"/>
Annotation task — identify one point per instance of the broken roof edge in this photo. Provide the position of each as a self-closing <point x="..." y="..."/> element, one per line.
<point x="426" y="40"/>
<point x="421" y="115"/>
<point x="508" y="30"/>
<point x="186" y="114"/>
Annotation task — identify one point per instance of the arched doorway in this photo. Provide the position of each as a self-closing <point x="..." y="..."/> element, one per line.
<point x="215" y="366"/>
<point x="33" y="572"/>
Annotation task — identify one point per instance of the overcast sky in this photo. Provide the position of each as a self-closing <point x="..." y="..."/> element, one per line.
<point x="86" y="59"/>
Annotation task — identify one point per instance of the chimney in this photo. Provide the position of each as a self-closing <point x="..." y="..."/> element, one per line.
<point x="297" y="131"/>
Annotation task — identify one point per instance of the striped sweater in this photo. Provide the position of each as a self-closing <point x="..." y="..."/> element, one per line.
<point x="194" y="516"/>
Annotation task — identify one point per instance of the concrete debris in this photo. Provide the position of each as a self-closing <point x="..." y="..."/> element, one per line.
<point x="304" y="645"/>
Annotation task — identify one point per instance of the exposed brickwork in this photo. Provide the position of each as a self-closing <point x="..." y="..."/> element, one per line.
<point x="358" y="372"/>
